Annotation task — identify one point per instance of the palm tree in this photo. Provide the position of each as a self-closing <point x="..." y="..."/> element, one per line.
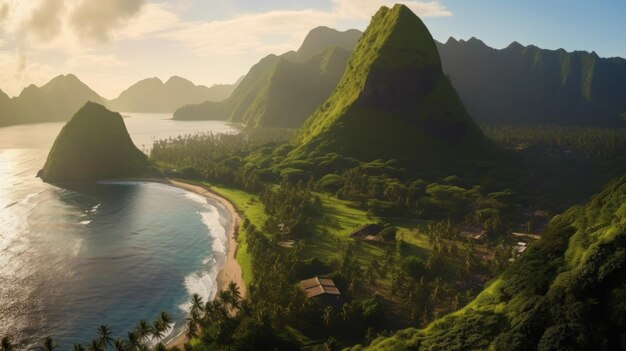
<point x="158" y="329"/>
<point x="78" y="347"/>
<point x="192" y="328"/>
<point x="120" y="345"/>
<point x="95" y="346"/>
<point x="196" y="303"/>
<point x="133" y="341"/>
<point x="104" y="336"/>
<point x="48" y="345"/>
<point x="346" y="311"/>
<point x="226" y="298"/>
<point x="143" y="330"/>
<point x="160" y="347"/>
<point x="328" y="315"/>
<point x="330" y="344"/>
<point x="233" y="288"/>
<point x="6" y="344"/>
<point x="165" y="318"/>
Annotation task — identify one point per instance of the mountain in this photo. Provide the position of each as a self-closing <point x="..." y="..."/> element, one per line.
<point x="6" y="109"/>
<point x="566" y="292"/>
<point x="93" y="145"/>
<point x="152" y="95"/>
<point x="55" y="101"/>
<point x="394" y="102"/>
<point x="321" y="38"/>
<point x="286" y="102"/>
<point x="528" y="85"/>
<point x="282" y="91"/>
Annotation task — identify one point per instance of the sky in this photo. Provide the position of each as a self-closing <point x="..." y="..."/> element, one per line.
<point x="111" y="44"/>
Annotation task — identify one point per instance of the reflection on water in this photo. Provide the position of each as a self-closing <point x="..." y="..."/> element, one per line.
<point x="109" y="253"/>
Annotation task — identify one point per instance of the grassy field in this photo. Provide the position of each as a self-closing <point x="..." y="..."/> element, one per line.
<point x="337" y="220"/>
<point x="250" y="207"/>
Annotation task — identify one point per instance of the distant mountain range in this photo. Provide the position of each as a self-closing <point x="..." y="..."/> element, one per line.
<point x="516" y="85"/>
<point x="60" y="98"/>
<point x="56" y="101"/>
<point x="529" y="85"/>
<point x="282" y="91"/>
<point x="152" y="95"/>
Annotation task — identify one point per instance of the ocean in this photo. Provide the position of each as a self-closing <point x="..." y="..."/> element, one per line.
<point x="108" y="253"/>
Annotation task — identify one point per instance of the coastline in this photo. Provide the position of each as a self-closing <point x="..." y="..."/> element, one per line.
<point x="231" y="270"/>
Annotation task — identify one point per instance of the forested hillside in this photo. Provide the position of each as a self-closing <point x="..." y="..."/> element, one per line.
<point x="528" y="85"/>
<point x="567" y="292"/>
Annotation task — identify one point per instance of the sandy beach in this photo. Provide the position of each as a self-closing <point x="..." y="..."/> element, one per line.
<point x="231" y="271"/>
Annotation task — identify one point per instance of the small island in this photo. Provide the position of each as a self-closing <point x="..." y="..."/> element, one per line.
<point x="93" y="145"/>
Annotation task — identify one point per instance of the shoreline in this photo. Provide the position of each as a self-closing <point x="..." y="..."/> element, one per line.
<point x="231" y="270"/>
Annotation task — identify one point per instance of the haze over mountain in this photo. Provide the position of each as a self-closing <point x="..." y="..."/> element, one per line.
<point x="152" y="95"/>
<point x="60" y="98"/>
<point x="282" y="91"/>
<point x="526" y="84"/>
<point x="93" y="145"/>
<point x="394" y="102"/>
<point x="55" y="101"/>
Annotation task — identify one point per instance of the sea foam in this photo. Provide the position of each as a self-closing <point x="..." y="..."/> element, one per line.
<point x="204" y="282"/>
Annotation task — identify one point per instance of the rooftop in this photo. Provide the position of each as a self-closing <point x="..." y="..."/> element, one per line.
<point x="318" y="286"/>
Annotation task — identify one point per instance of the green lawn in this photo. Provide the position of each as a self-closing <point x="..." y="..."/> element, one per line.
<point x="251" y="208"/>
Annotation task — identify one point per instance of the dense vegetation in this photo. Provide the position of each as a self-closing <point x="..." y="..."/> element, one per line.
<point x="528" y="85"/>
<point x="590" y="142"/>
<point x="394" y="147"/>
<point x="93" y="145"/>
<point x="394" y="102"/>
<point x="566" y="293"/>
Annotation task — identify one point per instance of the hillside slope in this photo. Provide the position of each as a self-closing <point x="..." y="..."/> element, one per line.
<point x="394" y="102"/>
<point x="527" y="85"/>
<point x="282" y="91"/>
<point x="567" y="292"/>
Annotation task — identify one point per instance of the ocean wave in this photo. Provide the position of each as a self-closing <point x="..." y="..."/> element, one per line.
<point x="85" y="222"/>
<point x="95" y="208"/>
<point x="204" y="283"/>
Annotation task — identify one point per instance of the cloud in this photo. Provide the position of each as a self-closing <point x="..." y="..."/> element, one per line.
<point x="65" y="23"/>
<point x="16" y="72"/>
<point x="96" y="20"/>
<point x="4" y="11"/>
<point x="21" y="61"/>
<point x="364" y="9"/>
<point x="249" y="32"/>
<point x="45" y="22"/>
<point x="99" y="61"/>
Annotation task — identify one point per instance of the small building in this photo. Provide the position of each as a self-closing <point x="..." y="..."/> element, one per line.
<point x="322" y="289"/>
<point x="520" y="247"/>
<point x="367" y="231"/>
<point x="527" y="235"/>
<point x="473" y="233"/>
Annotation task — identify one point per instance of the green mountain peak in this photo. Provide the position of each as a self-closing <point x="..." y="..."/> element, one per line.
<point x="93" y="145"/>
<point x="394" y="102"/>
